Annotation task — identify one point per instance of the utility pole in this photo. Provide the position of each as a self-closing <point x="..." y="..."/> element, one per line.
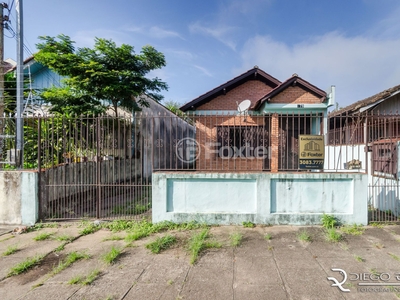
<point x="2" y="19"/>
<point x="20" y="85"/>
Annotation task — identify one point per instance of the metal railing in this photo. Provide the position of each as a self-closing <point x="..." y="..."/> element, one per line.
<point x="102" y="166"/>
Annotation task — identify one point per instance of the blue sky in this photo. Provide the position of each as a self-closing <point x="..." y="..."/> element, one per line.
<point x="354" y="45"/>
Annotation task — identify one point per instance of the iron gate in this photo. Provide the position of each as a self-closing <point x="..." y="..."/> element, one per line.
<point x="92" y="168"/>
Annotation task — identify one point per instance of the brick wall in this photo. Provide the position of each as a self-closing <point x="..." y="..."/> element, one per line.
<point x="295" y="95"/>
<point x="274" y="142"/>
<point x="252" y="90"/>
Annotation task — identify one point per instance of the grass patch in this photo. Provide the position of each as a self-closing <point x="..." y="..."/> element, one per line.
<point x="7" y="238"/>
<point x="198" y="243"/>
<point x="236" y="239"/>
<point x="110" y="257"/>
<point x="329" y="221"/>
<point x="332" y="235"/>
<point x="353" y="229"/>
<point x="25" y="265"/>
<point x="64" y="238"/>
<point x="43" y="236"/>
<point x="248" y="224"/>
<point x="91" y="277"/>
<point x="88" y="228"/>
<point x="161" y="243"/>
<point x="113" y="238"/>
<point x="10" y="250"/>
<point x="144" y="228"/>
<point x="76" y="279"/>
<point x="85" y="280"/>
<point x="394" y="256"/>
<point x="69" y="260"/>
<point x="377" y="225"/>
<point x="359" y="258"/>
<point x="61" y="247"/>
<point x="144" y="225"/>
<point x="267" y="236"/>
<point x="304" y="236"/>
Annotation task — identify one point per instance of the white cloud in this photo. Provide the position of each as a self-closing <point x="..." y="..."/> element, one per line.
<point x="135" y="29"/>
<point x="221" y="33"/>
<point x="86" y="38"/>
<point x="181" y="54"/>
<point x="204" y="70"/>
<point x="358" y="66"/>
<point x="158" y="32"/>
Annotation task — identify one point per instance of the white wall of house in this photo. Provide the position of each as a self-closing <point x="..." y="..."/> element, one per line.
<point x="338" y="157"/>
<point x="264" y="198"/>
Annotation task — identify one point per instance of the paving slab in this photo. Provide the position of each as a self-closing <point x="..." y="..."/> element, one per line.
<point x="4" y="229"/>
<point x="280" y="268"/>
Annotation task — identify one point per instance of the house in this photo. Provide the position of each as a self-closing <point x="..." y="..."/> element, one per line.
<point x="373" y="125"/>
<point x="258" y="156"/>
<point x="373" y="122"/>
<point x="278" y="113"/>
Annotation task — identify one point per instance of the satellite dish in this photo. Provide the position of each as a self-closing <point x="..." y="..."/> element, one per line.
<point x="244" y="106"/>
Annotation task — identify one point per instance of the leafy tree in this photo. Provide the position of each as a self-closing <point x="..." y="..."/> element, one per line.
<point x="174" y="107"/>
<point x="104" y="73"/>
<point x="10" y="95"/>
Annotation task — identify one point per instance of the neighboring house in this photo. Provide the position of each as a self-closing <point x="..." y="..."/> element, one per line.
<point x="278" y="113"/>
<point x="375" y="122"/>
<point x="38" y="77"/>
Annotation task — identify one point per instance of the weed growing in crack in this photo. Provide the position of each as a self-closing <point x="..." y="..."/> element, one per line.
<point x="10" y="250"/>
<point x="394" y="256"/>
<point x="329" y="221"/>
<point x="111" y="256"/>
<point x="352" y="229"/>
<point x="332" y="235"/>
<point x="198" y="243"/>
<point x="248" y="224"/>
<point x="236" y="239"/>
<point x="43" y="236"/>
<point x="359" y="258"/>
<point x="304" y="236"/>
<point x="69" y="260"/>
<point x="25" y="265"/>
<point x="161" y="243"/>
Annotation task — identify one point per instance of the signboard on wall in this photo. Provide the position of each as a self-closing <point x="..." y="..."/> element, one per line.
<point x="311" y="152"/>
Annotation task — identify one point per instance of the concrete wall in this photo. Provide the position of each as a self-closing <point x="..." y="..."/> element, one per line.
<point x="263" y="198"/>
<point x="18" y="197"/>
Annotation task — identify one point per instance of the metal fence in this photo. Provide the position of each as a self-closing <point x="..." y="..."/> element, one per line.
<point x="101" y="166"/>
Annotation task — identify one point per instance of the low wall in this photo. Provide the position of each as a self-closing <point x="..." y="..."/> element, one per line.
<point x="262" y="198"/>
<point x="18" y="197"/>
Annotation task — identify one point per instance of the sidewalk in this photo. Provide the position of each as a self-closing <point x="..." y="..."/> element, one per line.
<point x="283" y="267"/>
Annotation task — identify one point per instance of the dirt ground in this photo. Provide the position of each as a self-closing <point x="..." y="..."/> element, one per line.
<point x="276" y="262"/>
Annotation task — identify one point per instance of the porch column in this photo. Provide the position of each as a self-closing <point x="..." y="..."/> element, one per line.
<point x="274" y="142"/>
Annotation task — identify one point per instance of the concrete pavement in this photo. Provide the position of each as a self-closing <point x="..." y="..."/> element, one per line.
<point x="282" y="267"/>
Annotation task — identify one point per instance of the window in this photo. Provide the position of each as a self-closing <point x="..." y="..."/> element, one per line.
<point x="242" y="142"/>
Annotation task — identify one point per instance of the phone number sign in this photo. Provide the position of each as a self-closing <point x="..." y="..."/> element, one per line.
<point x="311" y="152"/>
